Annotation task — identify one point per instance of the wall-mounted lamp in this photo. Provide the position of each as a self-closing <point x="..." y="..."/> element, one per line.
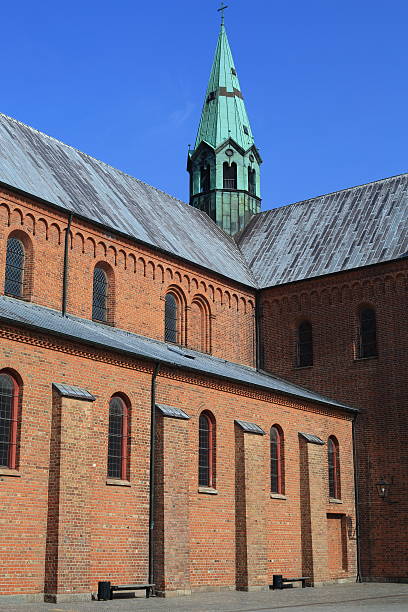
<point x="383" y="490"/>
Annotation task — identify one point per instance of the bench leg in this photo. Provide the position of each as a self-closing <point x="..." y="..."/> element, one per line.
<point x="147" y="592"/>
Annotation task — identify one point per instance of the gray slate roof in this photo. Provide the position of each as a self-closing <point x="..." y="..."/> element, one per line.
<point x="172" y="412"/>
<point x="339" y="231"/>
<point x="74" y="392"/>
<point x="53" y="171"/>
<point x="252" y="428"/>
<point x="311" y="438"/>
<point x="17" y="312"/>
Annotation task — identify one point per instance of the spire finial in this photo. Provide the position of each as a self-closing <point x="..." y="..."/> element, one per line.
<point x="222" y="9"/>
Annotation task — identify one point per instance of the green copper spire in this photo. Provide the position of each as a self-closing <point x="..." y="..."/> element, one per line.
<point x="224" y="114"/>
<point x="224" y="165"/>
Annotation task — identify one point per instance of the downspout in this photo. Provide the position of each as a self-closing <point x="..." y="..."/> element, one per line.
<point x="152" y="472"/>
<point x="65" y="268"/>
<point x="258" y="334"/>
<point x="356" y="500"/>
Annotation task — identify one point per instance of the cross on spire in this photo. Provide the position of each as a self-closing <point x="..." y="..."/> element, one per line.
<point x="221" y="10"/>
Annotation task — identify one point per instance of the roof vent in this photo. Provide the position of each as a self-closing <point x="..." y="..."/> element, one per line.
<point x="211" y="96"/>
<point x="233" y="71"/>
<point x="244" y="127"/>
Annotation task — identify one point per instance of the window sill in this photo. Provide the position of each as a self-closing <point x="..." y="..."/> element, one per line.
<point x="365" y="358"/>
<point x="208" y="490"/>
<point x="117" y="482"/>
<point x="333" y="500"/>
<point x="278" y="496"/>
<point x="5" y="471"/>
<point x="296" y="367"/>
<point x="108" y="323"/>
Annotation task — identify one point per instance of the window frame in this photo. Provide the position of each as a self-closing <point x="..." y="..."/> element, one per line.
<point x="105" y="308"/>
<point x="124" y="443"/>
<point x="278" y="460"/>
<point x="304" y="347"/>
<point x="230" y="176"/>
<point x="9" y="266"/>
<point x="209" y="451"/>
<point x="13" y="427"/>
<point x="171" y="332"/>
<point x="333" y="462"/>
<point x="367" y="347"/>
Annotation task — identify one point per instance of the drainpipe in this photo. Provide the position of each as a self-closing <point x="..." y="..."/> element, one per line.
<point x="65" y="268"/>
<point x="152" y="471"/>
<point x="356" y="500"/>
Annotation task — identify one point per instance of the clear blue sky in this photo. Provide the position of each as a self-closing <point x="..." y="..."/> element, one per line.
<point x="325" y="84"/>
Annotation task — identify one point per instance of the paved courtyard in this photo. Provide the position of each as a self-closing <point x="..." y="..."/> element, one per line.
<point x="365" y="597"/>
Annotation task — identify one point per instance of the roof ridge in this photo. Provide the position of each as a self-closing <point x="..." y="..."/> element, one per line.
<point x="323" y="195"/>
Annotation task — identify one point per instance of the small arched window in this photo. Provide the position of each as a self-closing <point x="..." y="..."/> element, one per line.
<point x="230" y="175"/>
<point x="100" y="295"/>
<point x="304" y="345"/>
<point x="118" y="438"/>
<point x="251" y="180"/>
<point x="277" y="461"/>
<point x="205" y="178"/>
<point x="368" y="333"/>
<point x="9" y="403"/>
<point x="334" y="468"/>
<point x="206" y="450"/>
<point x="15" y="259"/>
<point x="171" y="332"/>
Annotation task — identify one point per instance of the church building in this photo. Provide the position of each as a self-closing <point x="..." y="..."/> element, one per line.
<point x="199" y="395"/>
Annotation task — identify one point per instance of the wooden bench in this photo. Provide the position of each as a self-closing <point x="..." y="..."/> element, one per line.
<point x="107" y="589"/>
<point x="279" y="582"/>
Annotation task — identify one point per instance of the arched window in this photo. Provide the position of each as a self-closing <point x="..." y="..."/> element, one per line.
<point x="171" y="318"/>
<point x="304" y="345"/>
<point x="334" y="468"/>
<point x="368" y="333"/>
<point x="100" y="295"/>
<point x="205" y="180"/>
<point x="277" y="461"/>
<point x="9" y="402"/>
<point x="206" y="450"/>
<point x="251" y="180"/>
<point x="230" y="175"/>
<point x="118" y="438"/>
<point x="15" y="259"/>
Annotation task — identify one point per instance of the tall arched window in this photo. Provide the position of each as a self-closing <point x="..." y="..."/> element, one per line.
<point x="9" y="402"/>
<point x="304" y="345"/>
<point x="206" y="450"/>
<point x="251" y="180"/>
<point x="368" y="333"/>
<point x="118" y="438"/>
<point x="171" y="332"/>
<point x="15" y="259"/>
<point x="334" y="468"/>
<point x="100" y="295"/>
<point x="230" y="175"/>
<point x="277" y="461"/>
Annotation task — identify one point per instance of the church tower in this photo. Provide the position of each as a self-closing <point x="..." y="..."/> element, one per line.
<point x="224" y="164"/>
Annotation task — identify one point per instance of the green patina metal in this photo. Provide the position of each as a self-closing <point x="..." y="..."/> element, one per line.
<point x="224" y="165"/>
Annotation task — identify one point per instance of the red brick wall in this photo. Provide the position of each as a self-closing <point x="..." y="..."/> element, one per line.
<point x="376" y="385"/>
<point x="141" y="279"/>
<point x="118" y="515"/>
